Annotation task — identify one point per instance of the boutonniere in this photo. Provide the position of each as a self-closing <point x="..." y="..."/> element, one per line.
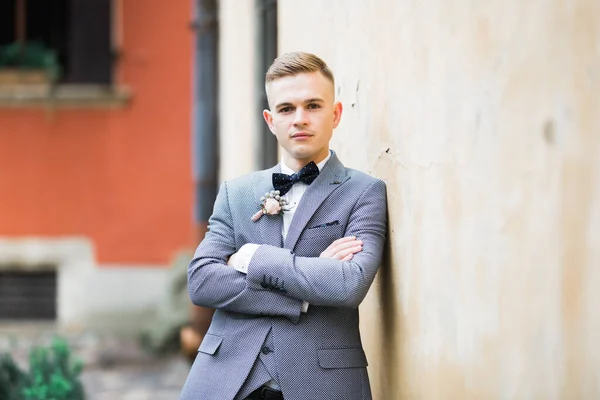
<point x="271" y="203"/>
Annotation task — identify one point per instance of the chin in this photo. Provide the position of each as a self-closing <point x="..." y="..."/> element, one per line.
<point x="299" y="151"/>
<point x="303" y="155"/>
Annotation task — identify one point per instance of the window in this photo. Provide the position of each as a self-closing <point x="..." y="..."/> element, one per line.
<point x="28" y="295"/>
<point x="76" y="34"/>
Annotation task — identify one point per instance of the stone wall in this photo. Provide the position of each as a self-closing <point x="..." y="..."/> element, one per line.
<point x="483" y="118"/>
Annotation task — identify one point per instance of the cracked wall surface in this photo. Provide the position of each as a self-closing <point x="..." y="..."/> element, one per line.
<point x="484" y="120"/>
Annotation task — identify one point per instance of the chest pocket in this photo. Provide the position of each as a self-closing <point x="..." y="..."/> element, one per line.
<point x="314" y="240"/>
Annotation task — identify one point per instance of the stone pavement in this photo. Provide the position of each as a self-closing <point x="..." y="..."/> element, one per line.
<point x="160" y="379"/>
<point x="115" y="367"/>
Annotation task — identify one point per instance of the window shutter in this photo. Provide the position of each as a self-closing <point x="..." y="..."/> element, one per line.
<point x="90" y="54"/>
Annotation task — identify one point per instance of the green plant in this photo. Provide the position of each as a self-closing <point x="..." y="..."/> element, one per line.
<point x="53" y="375"/>
<point x="32" y="55"/>
<point x="12" y="379"/>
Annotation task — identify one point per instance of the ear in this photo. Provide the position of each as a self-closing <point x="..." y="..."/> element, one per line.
<point x="337" y="113"/>
<point x="268" y="116"/>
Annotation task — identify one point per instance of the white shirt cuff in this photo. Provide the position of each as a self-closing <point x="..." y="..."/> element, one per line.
<point x="304" y="306"/>
<point x="241" y="259"/>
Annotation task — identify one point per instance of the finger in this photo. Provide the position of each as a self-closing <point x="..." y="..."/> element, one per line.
<point x="329" y="251"/>
<point x="342" y="240"/>
<point x="348" y="257"/>
<point x="343" y="253"/>
<point x="334" y="249"/>
<point x="345" y="245"/>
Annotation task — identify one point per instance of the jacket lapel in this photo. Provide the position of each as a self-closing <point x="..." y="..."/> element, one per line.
<point x="270" y="225"/>
<point x="332" y="176"/>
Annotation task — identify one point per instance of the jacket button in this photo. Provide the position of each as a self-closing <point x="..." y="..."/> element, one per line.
<point x="266" y="350"/>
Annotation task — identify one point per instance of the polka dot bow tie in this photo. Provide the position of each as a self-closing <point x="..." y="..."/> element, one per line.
<point x="284" y="182"/>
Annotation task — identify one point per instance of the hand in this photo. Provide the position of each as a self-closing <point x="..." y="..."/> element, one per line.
<point x="343" y="249"/>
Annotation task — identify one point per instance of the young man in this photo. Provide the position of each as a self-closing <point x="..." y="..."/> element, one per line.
<point x="287" y="270"/>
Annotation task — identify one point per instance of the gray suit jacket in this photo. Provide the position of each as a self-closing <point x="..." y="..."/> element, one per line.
<point x="318" y="354"/>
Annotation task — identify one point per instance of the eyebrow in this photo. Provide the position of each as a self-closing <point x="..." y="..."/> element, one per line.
<point x="313" y="100"/>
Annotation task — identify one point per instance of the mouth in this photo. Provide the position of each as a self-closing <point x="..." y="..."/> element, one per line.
<point x="301" y="135"/>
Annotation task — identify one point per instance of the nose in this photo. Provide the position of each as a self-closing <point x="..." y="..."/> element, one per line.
<point x="300" y="116"/>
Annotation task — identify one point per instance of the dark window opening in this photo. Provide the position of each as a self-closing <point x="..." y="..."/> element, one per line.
<point x="267" y="52"/>
<point x="28" y="295"/>
<point x="77" y="33"/>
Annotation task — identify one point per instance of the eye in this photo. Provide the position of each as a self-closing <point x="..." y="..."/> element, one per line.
<point x="285" y="110"/>
<point x="313" y="106"/>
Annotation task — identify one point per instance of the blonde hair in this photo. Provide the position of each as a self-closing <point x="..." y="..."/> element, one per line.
<point x="290" y="64"/>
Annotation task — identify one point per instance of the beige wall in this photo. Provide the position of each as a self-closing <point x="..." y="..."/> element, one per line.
<point x="484" y="119"/>
<point x="237" y="111"/>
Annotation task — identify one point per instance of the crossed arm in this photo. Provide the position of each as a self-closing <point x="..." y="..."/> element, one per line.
<point x="214" y="284"/>
<point x="340" y="276"/>
<point x="343" y="273"/>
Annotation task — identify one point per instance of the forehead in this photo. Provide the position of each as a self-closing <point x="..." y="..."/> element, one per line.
<point x="298" y="88"/>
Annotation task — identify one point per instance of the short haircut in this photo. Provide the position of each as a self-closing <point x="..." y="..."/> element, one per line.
<point x="290" y="64"/>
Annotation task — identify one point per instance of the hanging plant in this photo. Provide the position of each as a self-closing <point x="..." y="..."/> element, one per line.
<point x="32" y="55"/>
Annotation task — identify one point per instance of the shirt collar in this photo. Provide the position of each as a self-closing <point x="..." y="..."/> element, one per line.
<point x="287" y="170"/>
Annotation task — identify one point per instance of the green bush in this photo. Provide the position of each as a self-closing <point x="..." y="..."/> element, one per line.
<point x="33" y="55"/>
<point x="53" y="375"/>
<point x="12" y="379"/>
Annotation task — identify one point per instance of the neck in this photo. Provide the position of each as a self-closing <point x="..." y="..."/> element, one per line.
<point x="296" y="164"/>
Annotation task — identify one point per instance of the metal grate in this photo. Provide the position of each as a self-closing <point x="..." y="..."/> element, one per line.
<point x="28" y="295"/>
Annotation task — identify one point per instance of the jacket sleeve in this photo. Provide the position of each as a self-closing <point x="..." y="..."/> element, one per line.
<point x="212" y="283"/>
<point x="326" y="281"/>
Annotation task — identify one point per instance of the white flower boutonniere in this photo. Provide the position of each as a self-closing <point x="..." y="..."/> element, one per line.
<point x="271" y="203"/>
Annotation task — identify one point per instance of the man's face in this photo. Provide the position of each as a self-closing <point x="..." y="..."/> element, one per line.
<point x="303" y="116"/>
